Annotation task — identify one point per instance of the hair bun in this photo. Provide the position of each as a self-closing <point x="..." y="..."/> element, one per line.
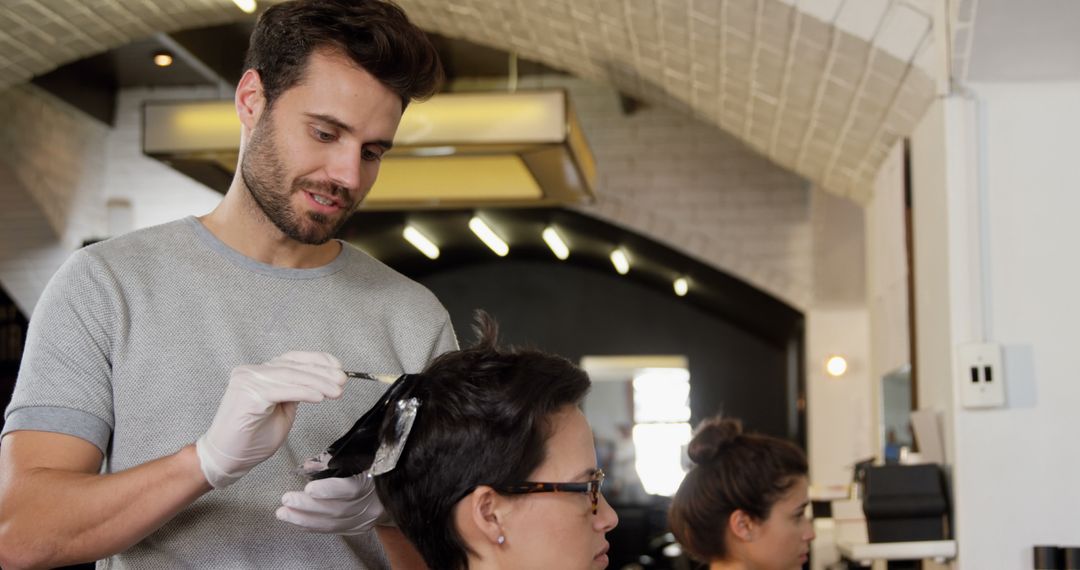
<point x="713" y="435"/>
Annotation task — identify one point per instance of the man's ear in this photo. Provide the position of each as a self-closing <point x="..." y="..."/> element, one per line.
<point x="484" y="512"/>
<point x="742" y="525"/>
<point x="250" y="99"/>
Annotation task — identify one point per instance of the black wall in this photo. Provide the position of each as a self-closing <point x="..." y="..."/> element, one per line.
<point x="576" y="311"/>
<point x="13" y="327"/>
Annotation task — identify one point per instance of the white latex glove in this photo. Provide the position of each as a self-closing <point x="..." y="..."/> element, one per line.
<point x="258" y="408"/>
<point x="338" y="505"/>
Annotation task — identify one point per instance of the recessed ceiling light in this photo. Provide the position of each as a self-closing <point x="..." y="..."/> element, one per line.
<point x="488" y="236"/>
<point x="421" y="242"/>
<point x="621" y="261"/>
<point x="556" y="243"/>
<point x="163" y="59"/>
<point x="248" y="6"/>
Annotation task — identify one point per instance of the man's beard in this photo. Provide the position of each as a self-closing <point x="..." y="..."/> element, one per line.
<point x="264" y="175"/>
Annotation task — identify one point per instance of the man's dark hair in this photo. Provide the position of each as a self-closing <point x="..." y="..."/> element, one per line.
<point x="734" y="471"/>
<point x="484" y="419"/>
<point x="374" y="34"/>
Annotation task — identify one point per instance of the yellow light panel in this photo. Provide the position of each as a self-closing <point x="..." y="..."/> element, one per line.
<point x="458" y="178"/>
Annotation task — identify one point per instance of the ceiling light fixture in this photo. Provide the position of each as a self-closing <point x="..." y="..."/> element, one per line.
<point x="621" y="261"/>
<point x="163" y="59"/>
<point x="247" y="6"/>
<point x="421" y="242"/>
<point x="453" y="151"/>
<point x="681" y="286"/>
<point x="556" y="243"/>
<point x="488" y="236"/>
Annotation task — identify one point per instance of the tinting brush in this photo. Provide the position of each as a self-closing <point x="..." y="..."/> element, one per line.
<point x="355" y="452"/>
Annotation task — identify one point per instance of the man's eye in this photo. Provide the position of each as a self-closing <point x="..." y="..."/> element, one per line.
<point x="369" y="154"/>
<point x="324" y="136"/>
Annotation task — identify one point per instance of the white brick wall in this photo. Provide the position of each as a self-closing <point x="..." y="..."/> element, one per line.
<point x="156" y="192"/>
<point x="58" y="169"/>
<point x="51" y="173"/>
<point x="697" y="189"/>
<point x="821" y="87"/>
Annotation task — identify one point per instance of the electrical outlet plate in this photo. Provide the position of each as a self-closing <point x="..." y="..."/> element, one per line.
<point x="980" y="375"/>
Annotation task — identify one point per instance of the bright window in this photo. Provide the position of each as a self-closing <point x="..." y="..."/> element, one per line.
<point x="661" y="427"/>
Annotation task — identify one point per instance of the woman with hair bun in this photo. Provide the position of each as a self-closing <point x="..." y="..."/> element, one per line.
<point x="743" y="505"/>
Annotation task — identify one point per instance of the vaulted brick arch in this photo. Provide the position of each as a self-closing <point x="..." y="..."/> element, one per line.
<point x="823" y="87"/>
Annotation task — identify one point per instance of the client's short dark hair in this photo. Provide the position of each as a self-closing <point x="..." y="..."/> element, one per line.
<point x="734" y="471"/>
<point x="484" y="419"/>
<point x="374" y="34"/>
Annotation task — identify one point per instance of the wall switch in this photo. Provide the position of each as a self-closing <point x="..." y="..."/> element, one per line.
<point x="981" y="375"/>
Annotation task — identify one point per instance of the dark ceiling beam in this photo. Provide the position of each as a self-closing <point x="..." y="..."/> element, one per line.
<point x="222" y="48"/>
<point x="591" y="240"/>
<point x="84" y="87"/>
<point x="181" y="53"/>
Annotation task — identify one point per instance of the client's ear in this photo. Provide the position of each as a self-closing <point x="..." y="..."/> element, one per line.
<point x="742" y="525"/>
<point x="482" y="509"/>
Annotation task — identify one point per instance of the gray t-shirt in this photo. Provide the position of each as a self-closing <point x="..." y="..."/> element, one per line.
<point x="130" y="348"/>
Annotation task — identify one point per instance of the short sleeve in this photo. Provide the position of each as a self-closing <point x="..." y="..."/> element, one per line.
<point x="446" y="341"/>
<point x="65" y="378"/>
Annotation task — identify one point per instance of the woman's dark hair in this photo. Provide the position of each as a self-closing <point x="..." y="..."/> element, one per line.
<point x="733" y="471"/>
<point x="374" y="34"/>
<point x="484" y="419"/>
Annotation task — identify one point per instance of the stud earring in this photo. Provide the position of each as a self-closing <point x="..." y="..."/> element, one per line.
<point x="502" y="539"/>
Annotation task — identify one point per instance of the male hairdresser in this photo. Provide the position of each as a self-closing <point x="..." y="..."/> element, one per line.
<point x="138" y="432"/>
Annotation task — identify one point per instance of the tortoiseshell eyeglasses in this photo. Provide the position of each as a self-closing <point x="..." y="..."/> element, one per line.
<point x="590" y="487"/>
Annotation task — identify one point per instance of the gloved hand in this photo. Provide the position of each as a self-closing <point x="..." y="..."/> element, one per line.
<point x="258" y="408"/>
<point x="337" y="505"/>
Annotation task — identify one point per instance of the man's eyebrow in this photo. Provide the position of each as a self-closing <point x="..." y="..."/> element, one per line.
<point x="338" y="123"/>
<point x="331" y="120"/>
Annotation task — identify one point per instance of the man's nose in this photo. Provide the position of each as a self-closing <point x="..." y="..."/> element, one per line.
<point x="345" y="168"/>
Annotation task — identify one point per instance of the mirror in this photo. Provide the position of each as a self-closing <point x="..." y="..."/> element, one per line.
<point x="896" y="413"/>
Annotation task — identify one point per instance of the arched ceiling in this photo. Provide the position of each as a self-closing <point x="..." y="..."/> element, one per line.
<point x="822" y="87"/>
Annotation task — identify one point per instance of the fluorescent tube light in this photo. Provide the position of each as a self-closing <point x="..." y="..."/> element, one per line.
<point x="488" y="236"/>
<point x="621" y="261"/>
<point x="421" y="242"/>
<point x="557" y="245"/>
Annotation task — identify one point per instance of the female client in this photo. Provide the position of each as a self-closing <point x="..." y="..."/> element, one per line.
<point x="493" y="463"/>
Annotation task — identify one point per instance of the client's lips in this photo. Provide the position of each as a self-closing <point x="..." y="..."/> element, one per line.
<point x="601" y="557"/>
